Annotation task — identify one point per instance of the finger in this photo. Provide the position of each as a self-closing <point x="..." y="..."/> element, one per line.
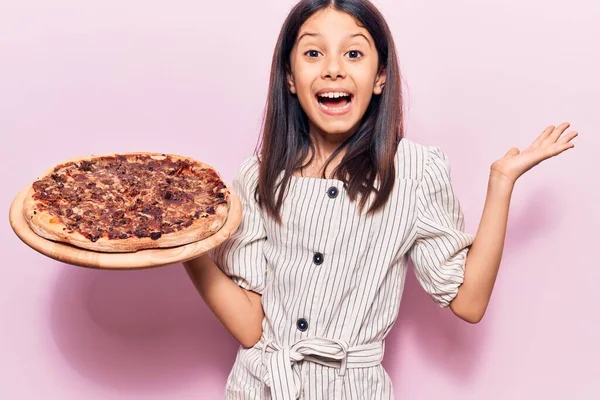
<point x="543" y="136"/>
<point x="559" y="148"/>
<point x="555" y="134"/>
<point x="568" y="137"/>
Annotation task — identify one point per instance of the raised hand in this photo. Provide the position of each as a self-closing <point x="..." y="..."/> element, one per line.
<point x="550" y="143"/>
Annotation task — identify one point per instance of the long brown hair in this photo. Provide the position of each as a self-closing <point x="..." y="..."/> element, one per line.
<point x="285" y="140"/>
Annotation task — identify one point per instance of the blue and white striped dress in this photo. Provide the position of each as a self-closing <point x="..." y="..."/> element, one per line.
<point x="331" y="279"/>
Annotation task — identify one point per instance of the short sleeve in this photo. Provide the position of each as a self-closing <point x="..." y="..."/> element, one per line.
<point x="241" y="255"/>
<point x="441" y="245"/>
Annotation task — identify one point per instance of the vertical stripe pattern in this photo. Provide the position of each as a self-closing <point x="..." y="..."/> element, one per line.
<point x="331" y="279"/>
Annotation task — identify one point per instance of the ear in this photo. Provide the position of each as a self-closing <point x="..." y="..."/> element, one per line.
<point x="290" y="81"/>
<point x="379" y="82"/>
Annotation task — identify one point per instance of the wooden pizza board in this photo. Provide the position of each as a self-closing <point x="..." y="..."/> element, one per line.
<point x="146" y="258"/>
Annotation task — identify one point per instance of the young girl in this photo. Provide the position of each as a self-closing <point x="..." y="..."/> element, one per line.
<point x="334" y="205"/>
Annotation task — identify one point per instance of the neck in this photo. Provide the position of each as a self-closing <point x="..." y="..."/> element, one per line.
<point x="326" y="143"/>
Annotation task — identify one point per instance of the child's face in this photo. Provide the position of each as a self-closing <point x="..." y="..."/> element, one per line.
<point x="334" y="55"/>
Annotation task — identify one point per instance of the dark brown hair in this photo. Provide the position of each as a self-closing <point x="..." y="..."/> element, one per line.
<point x="285" y="140"/>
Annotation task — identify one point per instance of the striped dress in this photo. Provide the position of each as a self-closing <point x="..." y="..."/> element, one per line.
<point x="331" y="278"/>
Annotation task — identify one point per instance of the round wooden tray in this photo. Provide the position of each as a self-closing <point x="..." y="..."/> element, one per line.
<point x="147" y="258"/>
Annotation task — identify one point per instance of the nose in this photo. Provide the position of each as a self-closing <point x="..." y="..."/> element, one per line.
<point x="333" y="68"/>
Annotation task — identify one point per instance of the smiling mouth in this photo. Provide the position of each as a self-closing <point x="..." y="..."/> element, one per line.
<point x="336" y="101"/>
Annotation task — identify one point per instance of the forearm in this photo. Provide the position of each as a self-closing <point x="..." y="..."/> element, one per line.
<point x="484" y="257"/>
<point x="239" y="310"/>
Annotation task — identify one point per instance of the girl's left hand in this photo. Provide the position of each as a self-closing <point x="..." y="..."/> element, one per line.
<point x="550" y="143"/>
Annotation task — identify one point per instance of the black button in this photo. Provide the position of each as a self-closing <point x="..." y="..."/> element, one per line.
<point x="332" y="192"/>
<point x="302" y="324"/>
<point x="318" y="258"/>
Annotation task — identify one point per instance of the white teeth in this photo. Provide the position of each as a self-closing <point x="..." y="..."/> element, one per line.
<point x="332" y="95"/>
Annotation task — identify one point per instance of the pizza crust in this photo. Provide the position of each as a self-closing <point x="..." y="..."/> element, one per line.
<point x="46" y="225"/>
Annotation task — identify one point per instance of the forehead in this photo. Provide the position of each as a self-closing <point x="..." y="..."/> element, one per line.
<point x="332" y="23"/>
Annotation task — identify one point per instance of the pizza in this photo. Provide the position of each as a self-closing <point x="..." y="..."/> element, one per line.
<point x="127" y="202"/>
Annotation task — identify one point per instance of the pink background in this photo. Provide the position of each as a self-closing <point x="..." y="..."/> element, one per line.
<point x="190" y="77"/>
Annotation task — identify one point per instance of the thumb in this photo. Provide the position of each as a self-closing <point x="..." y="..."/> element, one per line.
<point x="512" y="152"/>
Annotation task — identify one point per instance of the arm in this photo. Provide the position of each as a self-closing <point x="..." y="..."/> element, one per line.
<point x="230" y="277"/>
<point x="483" y="259"/>
<point x="238" y="309"/>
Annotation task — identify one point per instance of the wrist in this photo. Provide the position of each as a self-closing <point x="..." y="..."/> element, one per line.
<point x="502" y="182"/>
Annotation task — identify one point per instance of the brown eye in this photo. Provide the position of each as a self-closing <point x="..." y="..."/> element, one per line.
<point x="354" y="54"/>
<point x="312" y="53"/>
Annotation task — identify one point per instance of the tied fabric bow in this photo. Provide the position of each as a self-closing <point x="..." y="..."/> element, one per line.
<point x="283" y="373"/>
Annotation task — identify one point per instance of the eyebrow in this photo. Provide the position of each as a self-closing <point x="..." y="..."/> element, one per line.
<point x="353" y="35"/>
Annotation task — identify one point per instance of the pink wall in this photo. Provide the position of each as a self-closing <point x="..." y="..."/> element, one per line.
<point x="190" y="77"/>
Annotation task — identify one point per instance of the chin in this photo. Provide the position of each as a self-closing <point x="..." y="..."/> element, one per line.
<point x="331" y="126"/>
<point x="336" y="128"/>
<point x="340" y="131"/>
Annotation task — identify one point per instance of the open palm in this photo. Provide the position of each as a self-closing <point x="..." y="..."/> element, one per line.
<point x="550" y="143"/>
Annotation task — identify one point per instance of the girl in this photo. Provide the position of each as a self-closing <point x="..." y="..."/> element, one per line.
<point x="334" y="204"/>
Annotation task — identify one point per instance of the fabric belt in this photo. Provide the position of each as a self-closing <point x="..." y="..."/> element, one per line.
<point x="283" y="373"/>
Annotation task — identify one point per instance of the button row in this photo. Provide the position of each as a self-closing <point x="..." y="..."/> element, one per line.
<point x="302" y="323"/>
